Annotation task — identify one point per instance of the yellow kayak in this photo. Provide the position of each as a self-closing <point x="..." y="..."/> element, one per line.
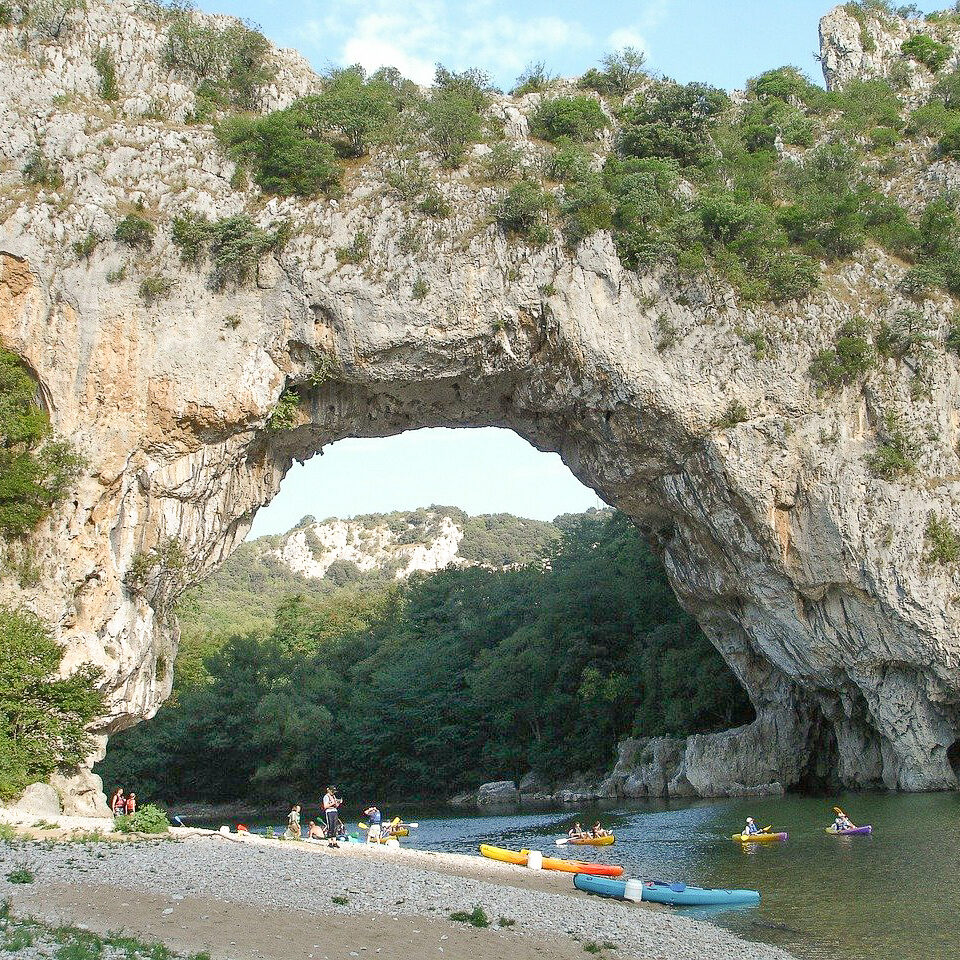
<point x="760" y="837"/>
<point x="504" y="856"/>
<point x="592" y="841"/>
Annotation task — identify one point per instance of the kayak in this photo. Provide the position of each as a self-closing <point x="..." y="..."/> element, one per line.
<point x="550" y="863"/>
<point x="759" y="837"/>
<point x="504" y="856"/>
<point x="592" y="841"/>
<point x="675" y="894"/>
<point x="850" y="831"/>
<point x="580" y="866"/>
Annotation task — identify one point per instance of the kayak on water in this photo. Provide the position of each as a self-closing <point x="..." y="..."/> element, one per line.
<point x="519" y="858"/>
<point x="592" y="841"/>
<point x="674" y="894"/>
<point x="759" y="837"/>
<point x="850" y="831"/>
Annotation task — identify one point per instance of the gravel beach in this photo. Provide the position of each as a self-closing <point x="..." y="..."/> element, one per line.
<point x="252" y="897"/>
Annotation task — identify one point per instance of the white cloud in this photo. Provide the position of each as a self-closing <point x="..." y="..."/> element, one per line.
<point x="413" y="35"/>
<point x="628" y="37"/>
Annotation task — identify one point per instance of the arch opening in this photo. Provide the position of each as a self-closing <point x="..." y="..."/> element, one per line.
<point x="567" y="639"/>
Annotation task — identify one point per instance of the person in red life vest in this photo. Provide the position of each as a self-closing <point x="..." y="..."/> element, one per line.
<point x="331" y="808"/>
<point x="118" y="803"/>
<point x="130" y="807"/>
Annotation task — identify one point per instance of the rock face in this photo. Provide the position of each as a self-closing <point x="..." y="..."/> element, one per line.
<point x="499" y="791"/>
<point x="806" y="571"/>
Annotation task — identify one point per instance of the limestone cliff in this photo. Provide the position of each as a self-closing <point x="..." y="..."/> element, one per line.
<point x="805" y="570"/>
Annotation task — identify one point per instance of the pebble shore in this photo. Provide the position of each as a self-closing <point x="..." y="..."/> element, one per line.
<point x="311" y="878"/>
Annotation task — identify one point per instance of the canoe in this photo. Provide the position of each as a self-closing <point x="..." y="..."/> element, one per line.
<point x="675" y="894"/>
<point x="850" y="831"/>
<point x="759" y="837"/>
<point x="504" y="856"/>
<point x="592" y="841"/>
<point x="550" y="863"/>
<point x="580" y="866"/>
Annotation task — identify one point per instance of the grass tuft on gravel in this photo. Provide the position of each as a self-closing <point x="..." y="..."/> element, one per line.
<point x="476" y="918"/>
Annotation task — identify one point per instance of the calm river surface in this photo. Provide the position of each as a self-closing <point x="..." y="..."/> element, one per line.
<point x="891" y="896"/>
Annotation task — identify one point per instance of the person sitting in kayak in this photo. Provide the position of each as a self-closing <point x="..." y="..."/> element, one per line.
<point x="751" y="829"/>
<point x="597" y="831"/>
<point x="576" y="831"/>
<point x="843" y="822"/>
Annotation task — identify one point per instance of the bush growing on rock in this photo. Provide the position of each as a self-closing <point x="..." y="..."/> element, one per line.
<point x="358" y="109"/>
<point x="924" y="49"/>
<point x="850" y="358"/>
<point x="942" y="540"/>
<point x="236" y="246"/>
<point x="471" y="85"/>
<point x="106" y="66"/>
<point x="672" y="120"/>
<point x="35" y="469"/>
<point x="451" y="125"/>
<point x="51" y="18"/>
<point x="896" y="453"/>
<point x="41" y="171"/>
<point x="43" y="716"/>
<point x="587" y="207"/>
<point x="623" y="71"/>
<point x="135" y="231"/>
<point x="155" y="287"/>
<point x="284" y="155"/>
<point x="191" y="232"/>
<point x="522" y="210"/>
<point x="576" y="118"/>
<point x="534" y="79"/>
<point x="230" y="61"/>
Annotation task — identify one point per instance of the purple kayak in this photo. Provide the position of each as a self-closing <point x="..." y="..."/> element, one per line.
<point x="850" y="832"/>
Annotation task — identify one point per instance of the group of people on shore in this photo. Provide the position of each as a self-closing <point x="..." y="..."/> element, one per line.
<point x="332" y="827"/>
<point x="576" y="832"/>
<point x="121" y="805"/>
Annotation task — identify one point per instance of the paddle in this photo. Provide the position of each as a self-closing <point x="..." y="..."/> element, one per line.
<point x="562" y="841"/>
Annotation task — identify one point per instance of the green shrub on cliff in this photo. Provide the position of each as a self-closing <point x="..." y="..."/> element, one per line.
<point x="850" y="358"/>
<point x="135" y="231"/>
<point x="43" y="716"/>
<point x="283" y="153"/>
<point x="576" y="118"/>
<point x="924" y="49"/>
<point x="36" y="470"/>
<point x="230" y="61"/>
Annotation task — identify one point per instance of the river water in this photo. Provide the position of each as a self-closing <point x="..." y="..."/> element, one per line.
<point x="894" y="895"/>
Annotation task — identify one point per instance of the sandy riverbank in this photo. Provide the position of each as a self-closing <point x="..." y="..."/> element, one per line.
<point x="261" y="899"/>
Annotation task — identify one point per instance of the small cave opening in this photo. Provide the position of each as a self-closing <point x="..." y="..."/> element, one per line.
<point x="953" y="758"/>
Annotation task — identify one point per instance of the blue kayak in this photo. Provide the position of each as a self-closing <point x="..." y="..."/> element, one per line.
<point x="675" y="894"/>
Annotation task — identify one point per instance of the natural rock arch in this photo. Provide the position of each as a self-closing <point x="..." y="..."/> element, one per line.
<point x="804" y="570"/>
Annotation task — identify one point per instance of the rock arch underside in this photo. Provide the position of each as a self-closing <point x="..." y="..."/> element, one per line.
<point x="805" y="571"/>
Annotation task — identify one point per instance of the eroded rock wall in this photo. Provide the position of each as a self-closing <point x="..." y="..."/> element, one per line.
<point x="806" y="571"/>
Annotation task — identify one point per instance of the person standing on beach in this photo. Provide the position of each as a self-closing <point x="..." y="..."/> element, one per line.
<point x="293" y="823"/>
<point x="376" y="818"/>
<point x="331" y="811"/>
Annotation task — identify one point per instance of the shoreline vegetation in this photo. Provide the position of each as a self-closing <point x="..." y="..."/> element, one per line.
<point x="422" y="689"/>
<point x="201" y="892"/>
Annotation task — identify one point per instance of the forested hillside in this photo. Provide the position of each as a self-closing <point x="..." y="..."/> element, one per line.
<point x="432" y="685"/>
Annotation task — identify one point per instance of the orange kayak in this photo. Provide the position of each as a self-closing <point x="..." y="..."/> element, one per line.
<point x="550" y="863"/>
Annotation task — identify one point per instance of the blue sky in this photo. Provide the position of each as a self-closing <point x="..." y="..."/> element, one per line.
<point x="485" y="470"/>
<point x="723" y="42"/>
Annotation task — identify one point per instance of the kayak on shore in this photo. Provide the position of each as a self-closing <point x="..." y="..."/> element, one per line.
<point x="760" y="837"/>
<point x="849" y="831"/>
<point x="519" y="858"/>
<point x="587" y="841"/>
<point x="674" y="894"/>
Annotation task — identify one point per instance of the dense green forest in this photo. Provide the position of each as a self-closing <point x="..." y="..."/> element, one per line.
<point x="423" y="688"/>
